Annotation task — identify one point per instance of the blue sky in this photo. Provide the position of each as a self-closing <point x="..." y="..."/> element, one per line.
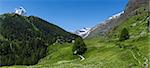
<point x="68" y="14"/>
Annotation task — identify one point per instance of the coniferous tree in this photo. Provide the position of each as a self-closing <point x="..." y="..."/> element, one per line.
<point x="124" y="35"/>
<point x="79" y="46"/>
<point x="148" y="26"/>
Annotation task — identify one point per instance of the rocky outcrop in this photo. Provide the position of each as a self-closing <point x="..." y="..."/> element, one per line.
<point x="134" y="4"/>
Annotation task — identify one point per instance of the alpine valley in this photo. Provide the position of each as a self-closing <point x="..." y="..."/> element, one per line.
<point x="121" y="41"/>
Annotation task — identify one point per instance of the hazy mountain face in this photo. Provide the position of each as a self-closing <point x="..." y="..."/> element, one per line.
<point x="134" y="4"/>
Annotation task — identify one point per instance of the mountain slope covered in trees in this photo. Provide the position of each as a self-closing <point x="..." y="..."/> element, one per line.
<point x="24" y="40"/>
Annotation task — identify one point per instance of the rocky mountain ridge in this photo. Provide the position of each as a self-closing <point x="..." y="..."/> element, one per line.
<point x="104" y="28"/>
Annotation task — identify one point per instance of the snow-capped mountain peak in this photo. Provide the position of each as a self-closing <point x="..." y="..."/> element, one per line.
<point x="83" y="32"/>
<point x="20" y="10"/>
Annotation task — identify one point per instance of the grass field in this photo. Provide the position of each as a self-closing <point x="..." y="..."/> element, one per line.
<point x="100" y="54"/>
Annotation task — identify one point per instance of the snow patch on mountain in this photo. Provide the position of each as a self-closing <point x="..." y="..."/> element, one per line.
<point x="116" y="15"/>
<point x="107" y="20"/>
<point x="83" y="32"/>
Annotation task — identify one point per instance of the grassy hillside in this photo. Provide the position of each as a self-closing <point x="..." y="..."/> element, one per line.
<point x="100" y="54"/>
<point x="137" y="25"/>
